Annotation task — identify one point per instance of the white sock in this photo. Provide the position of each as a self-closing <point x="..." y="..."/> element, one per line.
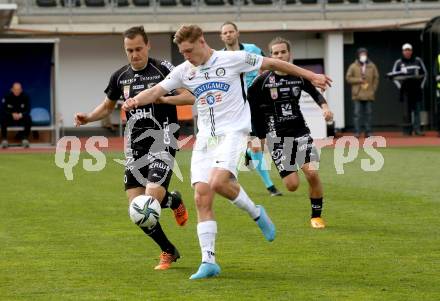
<point x="242" y="201"/>
<point x="206" y="232"/>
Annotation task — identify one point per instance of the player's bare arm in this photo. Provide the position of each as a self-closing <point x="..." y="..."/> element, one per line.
<point x="102" y="110"/>
<point x="321" y="81"/>
<point x="328" y="115"/>
<point x="145" y="97"/>
<point x="184" y="97"/>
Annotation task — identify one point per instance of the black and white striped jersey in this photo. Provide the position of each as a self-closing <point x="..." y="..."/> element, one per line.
<point x="126" y="83"/>
<point x="274" y="101"/>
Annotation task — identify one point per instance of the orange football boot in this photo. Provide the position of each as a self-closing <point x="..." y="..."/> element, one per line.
<point x="180" y="213"/>
<point x="317" y="223"/>
<point x="166" y="259"/>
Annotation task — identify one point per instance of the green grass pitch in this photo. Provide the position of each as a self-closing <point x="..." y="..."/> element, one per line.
<point x="73" y="240"/>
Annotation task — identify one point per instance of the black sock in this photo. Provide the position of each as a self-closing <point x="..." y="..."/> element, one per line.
<point x="160" y="238"/>
<point x="171" y="200"/>
<point x="271" y="188"/>
<point x="316" y="207"/>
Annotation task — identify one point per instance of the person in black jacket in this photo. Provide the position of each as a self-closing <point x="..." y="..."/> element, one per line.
<point x="412" y="72"/>
<point x="16" y="111"/>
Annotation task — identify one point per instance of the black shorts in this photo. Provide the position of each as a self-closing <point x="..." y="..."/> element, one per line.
<point x="290" y="153"/>
<point x="142" y="167"/>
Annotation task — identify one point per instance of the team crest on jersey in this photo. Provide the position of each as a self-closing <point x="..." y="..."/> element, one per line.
<point x="274" y="93"/>
<point x="296" y="91"/>
<point x="211" y="98"/>
<point x="272" y="79"/>
<point x="151" y="85"/>
<point x="220" y="71"/>
<point x="126" y="92"/>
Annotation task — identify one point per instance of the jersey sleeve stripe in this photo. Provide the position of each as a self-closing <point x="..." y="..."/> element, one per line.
<point x="120" y="75"/>
<point x="265" y="80"/>
<point x="158" y="70"/>
<point x="243" y="89"/>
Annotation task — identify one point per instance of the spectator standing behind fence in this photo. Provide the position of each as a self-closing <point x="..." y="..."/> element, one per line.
<point x="410" y="77"/>
<point x="16" y="111"/>
<point x="363" y="77"/>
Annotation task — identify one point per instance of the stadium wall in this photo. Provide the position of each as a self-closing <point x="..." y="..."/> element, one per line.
<point x="86" y="62"/>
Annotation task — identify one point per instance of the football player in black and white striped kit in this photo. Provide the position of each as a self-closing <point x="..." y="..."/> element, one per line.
<point x="147" y="171"/>
<point x="276" y="116"/>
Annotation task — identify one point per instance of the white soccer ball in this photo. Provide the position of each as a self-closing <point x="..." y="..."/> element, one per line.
<point x="144" y="211"/>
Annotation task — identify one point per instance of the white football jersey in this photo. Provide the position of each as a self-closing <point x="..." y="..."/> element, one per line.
<point x="220" y="90"/>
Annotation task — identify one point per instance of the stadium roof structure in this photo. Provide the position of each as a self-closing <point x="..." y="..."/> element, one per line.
<point x="159" y="16"/>
<point x="7" y="11"/>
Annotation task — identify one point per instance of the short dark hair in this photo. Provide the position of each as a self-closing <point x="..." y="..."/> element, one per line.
<point x="279" y="40"/>
<point x="134" y="31"/>
<point x="187" y="33"/>
<point x="229" y="23"/>
<point x="361" y="50"/>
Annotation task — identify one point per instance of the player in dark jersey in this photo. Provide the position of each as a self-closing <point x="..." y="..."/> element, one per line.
<point x="274" y="99"/>
<point x="149" y="159"/>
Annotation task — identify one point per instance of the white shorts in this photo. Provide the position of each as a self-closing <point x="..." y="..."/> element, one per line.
<point x="220" y="151"/>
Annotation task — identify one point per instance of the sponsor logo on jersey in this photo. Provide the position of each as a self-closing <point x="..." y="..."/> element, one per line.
<point x="273" y="85"/>
<point x="139" y="77"/>
<point x="138" y="87"/>
<point x="293" y="82"/>
<point x="250" y="59"/>
<point x="142" y="113"/>
<point x="274" y="93"/>
<point x="126" y="92"/>
<point x="159" y="165"/>
<point x="210" y="86"/>
<point x="147" y="78"/>
<point x="296" y="91"/>
<point x="126" y="81"/>
<point x="220" y="71"/>
<point x="286" y="109"/>
<point x="167" y="65"/>
<point x="192" y="74"/>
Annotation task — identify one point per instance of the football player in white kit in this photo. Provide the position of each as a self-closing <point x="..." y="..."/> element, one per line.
<point x="216" y="78"/>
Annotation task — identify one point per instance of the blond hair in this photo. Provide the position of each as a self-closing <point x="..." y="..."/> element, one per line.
<point x="188" y="33"/>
